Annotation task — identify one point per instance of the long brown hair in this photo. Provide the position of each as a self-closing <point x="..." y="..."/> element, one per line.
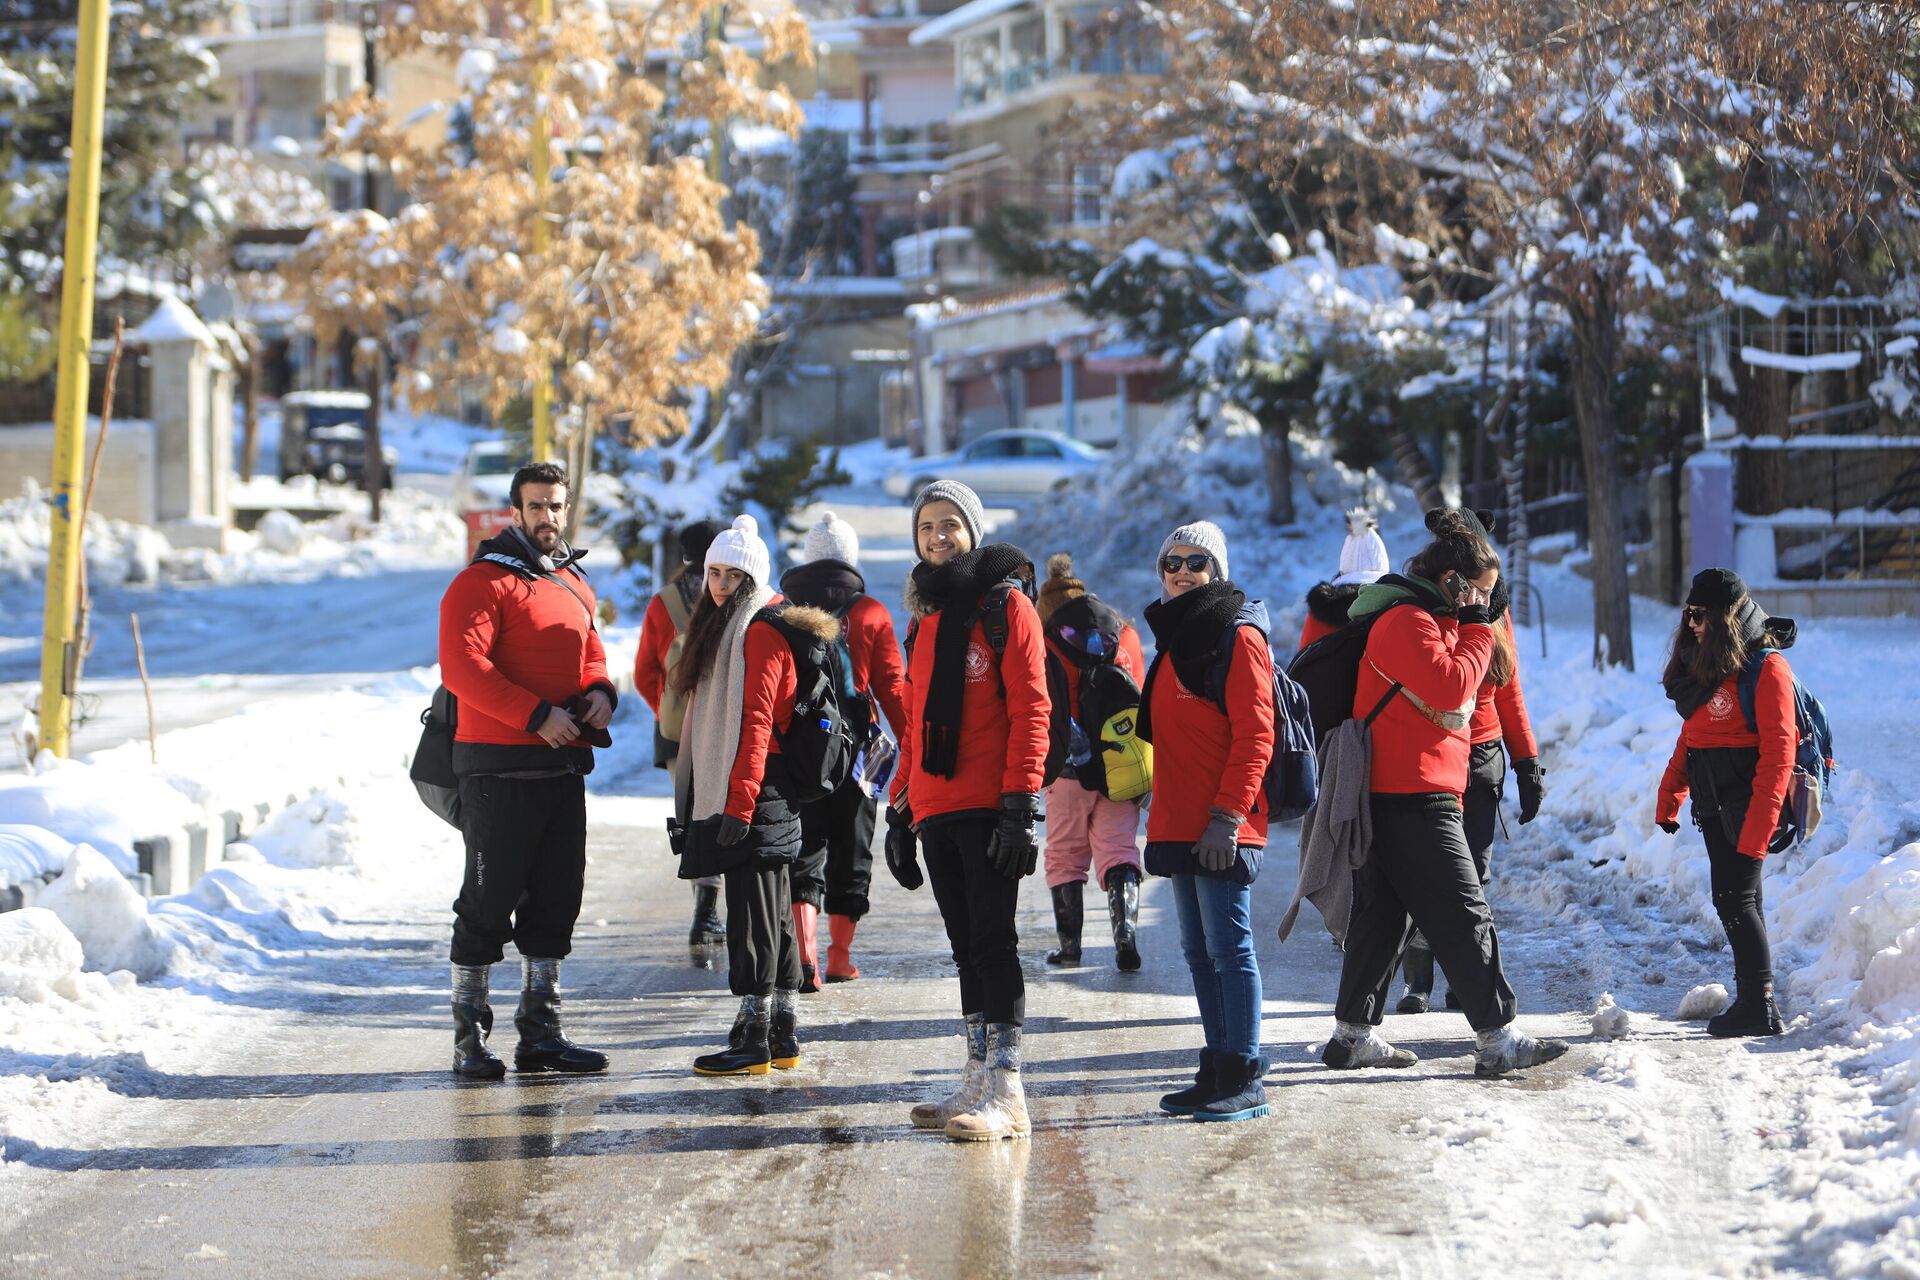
<point x="704" y="629"/>
<point x="1505" y="663"/>
<point x="1712" y="659"/>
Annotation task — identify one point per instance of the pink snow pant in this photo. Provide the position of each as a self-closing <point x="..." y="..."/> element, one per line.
<point x="1085" y="829"/>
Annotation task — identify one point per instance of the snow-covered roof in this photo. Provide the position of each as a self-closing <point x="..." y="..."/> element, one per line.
<point x="967" y="15"/>
<point x="172" y="321"/>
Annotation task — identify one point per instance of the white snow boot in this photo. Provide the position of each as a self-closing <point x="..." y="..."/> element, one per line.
<point x="1503" y="1049"/>
<point x="973" y="1080"/>
<point x="1355" y="1044"/>
<point x="1002" y="1109"/>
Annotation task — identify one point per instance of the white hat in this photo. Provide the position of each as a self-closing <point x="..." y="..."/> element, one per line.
<point x="831" y="538"/>
<point x="1363" y="557"/>
<point x="740" y="547"/>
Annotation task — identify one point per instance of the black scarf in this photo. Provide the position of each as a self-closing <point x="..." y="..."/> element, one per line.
<point x="953" y="589"/>
<point x="1688" y="694"/>
<point x="1187" y="628"/>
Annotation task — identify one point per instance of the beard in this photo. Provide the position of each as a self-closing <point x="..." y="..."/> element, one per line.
<point x="544" y="536"/>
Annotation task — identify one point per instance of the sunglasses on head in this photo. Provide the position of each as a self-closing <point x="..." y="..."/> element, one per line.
<point x="1694" y="613"/>
<point x="1195" y="563"/>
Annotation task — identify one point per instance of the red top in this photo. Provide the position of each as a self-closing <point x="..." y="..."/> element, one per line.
<point x="511" y="647"/>
<point x="1205" y="760"/>
<point x="1003" y="736"/>
<point x="1314" y="629"/>
<point x="766" y="706"/>
<point x="877" y="666"/>
<point x="1440" y="662"/>
<point x="1129" y="659"/>
<point x="1501" y="712"/>
<point x="1721" y="723"/>
<point x="650" y="664"/>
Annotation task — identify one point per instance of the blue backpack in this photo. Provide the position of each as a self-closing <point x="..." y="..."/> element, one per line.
<point x="1292" y="781"/>
<point x="1812" y="778"/>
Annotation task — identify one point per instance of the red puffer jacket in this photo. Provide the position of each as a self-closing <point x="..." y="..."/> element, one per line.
<point x="1721" y="723"/>
<point x="650" y="663"/>
<point x="1205" y="760"/>
<point x="766" y="709"/>
<point x="1003" y="719"/>
<point x="1129" y="658"/>
<point x="1501" y="711"/>
<point x="1440" y="662"/>
<point x="877" y="666"/>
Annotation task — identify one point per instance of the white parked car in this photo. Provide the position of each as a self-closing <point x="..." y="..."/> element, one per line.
<point x="1002" y="466"/>
<point x="485" y="479"/>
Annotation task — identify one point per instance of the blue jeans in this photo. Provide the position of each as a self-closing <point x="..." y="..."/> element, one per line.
<point x="1216" y="933"/>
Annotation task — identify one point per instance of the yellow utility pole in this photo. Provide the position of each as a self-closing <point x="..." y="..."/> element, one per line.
<point x="542" y="179"/>
<point x="57" y="650"/>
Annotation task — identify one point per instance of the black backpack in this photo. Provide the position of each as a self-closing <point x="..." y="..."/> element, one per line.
<point x="1088" y="633"/>
<point x="1329" y="671"/>
<point x="432" y="769"/>
<point x="818" y="748"/>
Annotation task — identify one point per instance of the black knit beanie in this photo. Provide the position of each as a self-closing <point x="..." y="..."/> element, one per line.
<point x="697" y="537"/>
<point x="1716" y="589"/>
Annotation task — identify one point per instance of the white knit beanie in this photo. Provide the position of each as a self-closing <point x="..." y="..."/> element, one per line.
<point x="1204" y="534"/>
<point x="1363" y="557"/>
<point x="741" y="548"/>
<point x="831" y="538"/>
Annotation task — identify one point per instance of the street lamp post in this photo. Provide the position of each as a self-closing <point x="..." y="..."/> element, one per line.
<point x="373" y="474"/>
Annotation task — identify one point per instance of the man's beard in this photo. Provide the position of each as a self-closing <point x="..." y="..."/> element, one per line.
<point x="545" y="537"/>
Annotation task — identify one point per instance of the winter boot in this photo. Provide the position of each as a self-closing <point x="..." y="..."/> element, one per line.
<point x="1757" y="1016"/>
<point x="1355" y="1044"/>
<point x="1069" y="912"/>
<point x="1418" y="967"/>
<point x="1123" y="907"/>
<point x="472" y="1024"/>
<point x="806" y="938"/>
<point x="973" y="1079"/>
<point x="749" y="1054"/>
<point x="1238" y="1093"/>
<point x="1503" y="1049"/>
<point x="708" y="928"/>
<point x="1184" y="1102"/>
<point x="1001" y="1111"/>
<point x="783" y="1032"/>
<point x="840" y="965"/>
<point x="542" y="1047"/>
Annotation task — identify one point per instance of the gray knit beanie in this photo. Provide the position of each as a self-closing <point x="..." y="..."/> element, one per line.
<point x="1204" y="534"/>
<point x="972" y="514"/>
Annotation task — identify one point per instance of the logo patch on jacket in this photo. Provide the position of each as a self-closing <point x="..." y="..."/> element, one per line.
<point x="1723" y="706"/>
<point x="979" y="662"/>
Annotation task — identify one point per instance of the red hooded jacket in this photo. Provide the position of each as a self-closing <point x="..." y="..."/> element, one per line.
<point x="877" y="666"/>
<point x="1003" y="719"/>
<point x="1721" y="723"/>
<point x="1314" y="628"/>
<point x="1443" y="664"/>
<point x="1205" y="760"/>
<point x="1501" y="711"/>
<point x="650" y="663"/>
<point x="766" y="709"/>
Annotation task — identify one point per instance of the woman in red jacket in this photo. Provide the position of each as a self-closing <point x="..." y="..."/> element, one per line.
<point x="1500" y="730"/>
<point x="1207" y="826"/>
<point x="1737" y="771"/>
<point x="738" y="674"/>
<point x="1426" y="657"/>
<point x="967" y="787"/>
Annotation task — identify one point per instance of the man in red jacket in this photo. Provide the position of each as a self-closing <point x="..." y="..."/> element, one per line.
<point x="519" y="650"/>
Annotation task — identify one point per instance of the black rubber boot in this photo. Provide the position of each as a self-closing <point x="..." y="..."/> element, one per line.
<point x="1238" y="1093"/>
<point x="1069" y="913"/>
<point x="542" y="1047"/>
<point x="1748" y="1016"/>
<point x="1123" y="908"/>
<point x="783" y="1032"/>
<point x="1184" y="1102"/>
<point x="708" y="928"/>
<point x="1417" y="964"/>
<point x="472" y="1024"/>
<point x="749" y="1053"/>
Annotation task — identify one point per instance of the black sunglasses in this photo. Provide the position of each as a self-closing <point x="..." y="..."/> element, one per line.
<point x="1195" y="563"/>
<point x="1694" y="613"/>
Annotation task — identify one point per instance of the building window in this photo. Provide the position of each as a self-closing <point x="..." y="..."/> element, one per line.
<point x="1092" y="183"/>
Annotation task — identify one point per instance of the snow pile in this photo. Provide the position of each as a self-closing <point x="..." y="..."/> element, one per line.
<point x="108" y="917"/>
<point x="37" y="950"/>
<point x="1705" y="1001"/>
<point x="116" y="551"/>
<point x="1609" y="1019"/>
<point x="69" y="803"/>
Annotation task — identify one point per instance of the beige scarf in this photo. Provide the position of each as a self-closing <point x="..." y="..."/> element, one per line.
<point x="710" y="735"/>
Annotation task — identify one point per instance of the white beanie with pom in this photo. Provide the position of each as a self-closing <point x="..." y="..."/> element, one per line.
<point x="741" y="547"/>
<point x="1363" y="557"/>
<point x="831" y="538"/>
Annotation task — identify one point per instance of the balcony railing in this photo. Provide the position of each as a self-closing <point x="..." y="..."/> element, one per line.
<point x="282" y="15"/>
<point x="1095" y="62"/>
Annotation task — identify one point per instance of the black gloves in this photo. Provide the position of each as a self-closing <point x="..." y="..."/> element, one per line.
<point x="732" y="830"/>
<point x="1532" y="781"/>
<point x="1671" y="828"/>
<point x="1469" y="614"/>
<point x="1219" y="845"/>
<point x="900" y="849"/>
<point x="1014" y="847"/>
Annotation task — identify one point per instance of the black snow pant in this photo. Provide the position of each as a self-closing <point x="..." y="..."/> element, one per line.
<point x="761" y="953"/>
<point x="526" y="844"/>
<point x="1486" y="786"/>
<point x="1736" y="899"/>
<point x="977" y="905"/>
<point x="835" y="868"/>
<point x="1420" y="866"/>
